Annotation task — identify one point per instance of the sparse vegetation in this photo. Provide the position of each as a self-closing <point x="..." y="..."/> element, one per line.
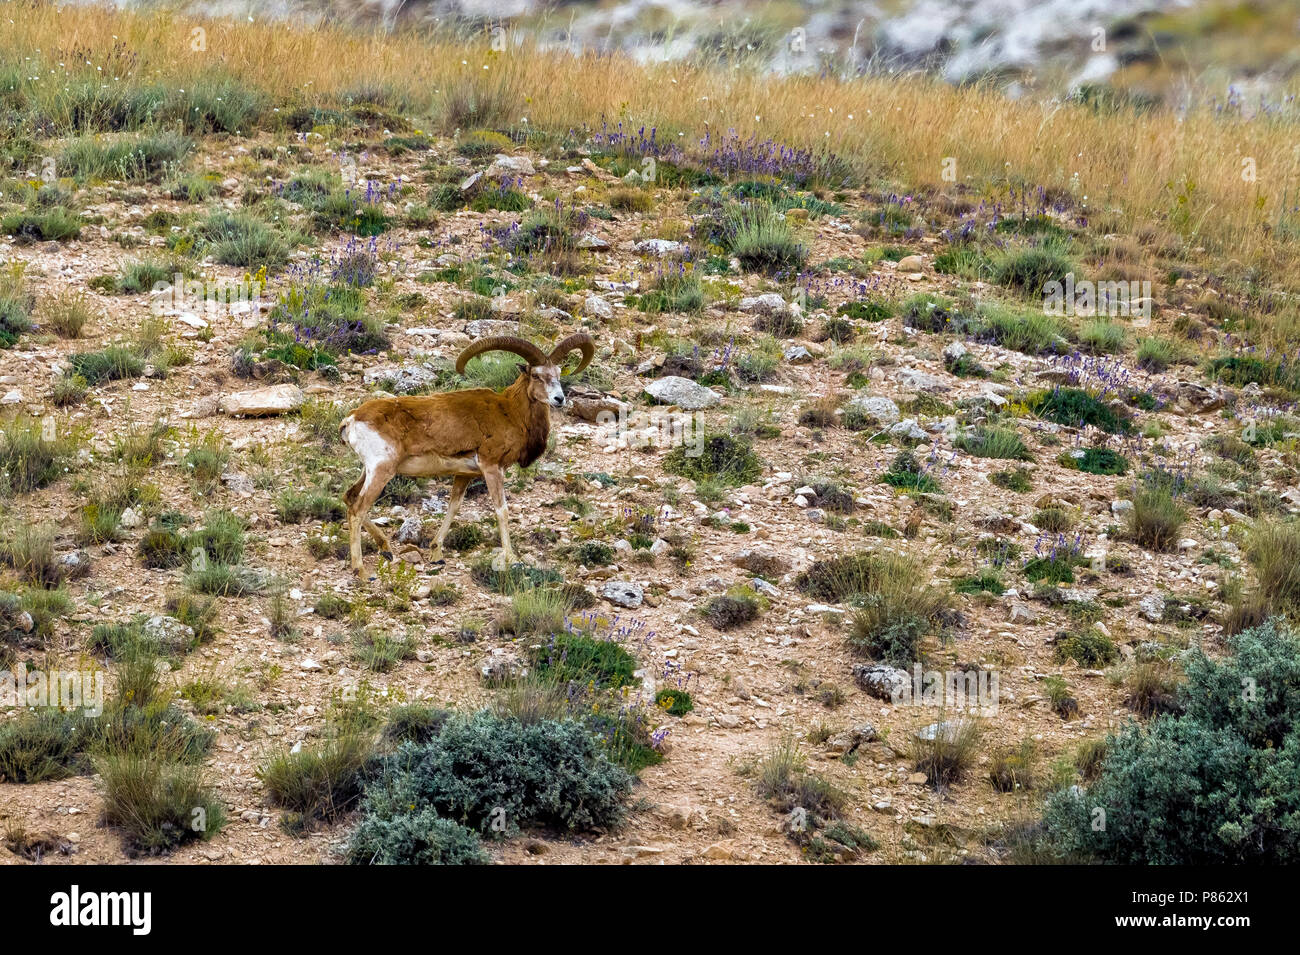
<point x="1086" y="500"/>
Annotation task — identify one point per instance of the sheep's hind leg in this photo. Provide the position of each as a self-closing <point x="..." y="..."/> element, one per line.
<point x="458" y="486"/>
<point x="372" y="486"/>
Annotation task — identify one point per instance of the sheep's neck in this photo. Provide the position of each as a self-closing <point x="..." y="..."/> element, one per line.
<point x="535" y="419"/>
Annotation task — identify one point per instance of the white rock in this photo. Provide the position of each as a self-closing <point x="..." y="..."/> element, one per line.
<point x="277" y="399"/>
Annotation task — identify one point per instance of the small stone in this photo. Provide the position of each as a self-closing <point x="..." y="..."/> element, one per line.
<point x="1152" y="607"/>
<point x="1023" y="613"/>
<point x="764" y="561"/>
<point x="508" y="167"/>
<point x="623" y="593"/>
<point x="597" y="307"/>
<point x="875" y="408"/>
<point x="881" y="681"/>
<point x="769" y="303"/>
<point x="275" y="400"/>
<point x="659" y="248"/>
<point x="682" y="392"/>
<point x="167" y="635"/>
<point x="915" y="380"/>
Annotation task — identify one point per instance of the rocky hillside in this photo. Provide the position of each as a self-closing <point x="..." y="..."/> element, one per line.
<point x="838" y="447"/>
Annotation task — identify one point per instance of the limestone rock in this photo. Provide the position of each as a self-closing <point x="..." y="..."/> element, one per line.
<point x="683" y="393"/>
<point x="277" y="399"/>
<point x="875" y="408"/>
<point x="623" y="593"/>
<point x="881" y="681"/>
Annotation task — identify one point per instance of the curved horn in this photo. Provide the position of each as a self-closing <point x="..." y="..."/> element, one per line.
<point x="519" y="346"/>
<point x="579" y="341"/>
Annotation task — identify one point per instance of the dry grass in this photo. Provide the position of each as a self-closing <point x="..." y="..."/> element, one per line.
<point x="896" y="128"/>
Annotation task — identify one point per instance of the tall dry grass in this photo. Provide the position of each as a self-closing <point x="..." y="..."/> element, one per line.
<point x="1182" y="174"/>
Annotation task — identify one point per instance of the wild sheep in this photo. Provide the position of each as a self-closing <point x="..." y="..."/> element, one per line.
<point x="458" y="434"/>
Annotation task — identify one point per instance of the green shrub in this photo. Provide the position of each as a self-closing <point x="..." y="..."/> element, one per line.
<point x="1013" y="768"/>
<point x="1075" y="408"/>
<point x="1155" y="354"/>
<point x="582" y="659"/>
<point x="421" y="837"/>
<point x="1031" y="332"/>
<point x="678" y="702"/>
<point x="934" y="313"/>
<point x="134" y="159"/>
<point x="58" y="224"/>
<point x="222" y="580"/>
<point x="16" y="304"/>
<point x="29" y="549"/>
<point x="487" y="769"/>
<point x="731" y="461"/>
<point x="157" y="804"/>
<point x="380" y="651"/>
<point x="1214" y="785"/>
<point x="1102" y="337"/>
<point x="758" y="235"/>
<point x="239" y="238"/>
<point x="1029" y="270"/>
<point x="1016" y="480"/>
<point x="1156" y="518"/>
<point x="907" y="473"/>
<point x="987" y="581"/>
<point x="728" y="611"/>
<point x="994" y="442"/>
<point x="29" y="458"/>
<point x="1096" y="461"/>
<point x="1053" y="520"/>
<point x="294" y="507"/>
<point x="114" y="363"/>
<point x="782" y="778"/>
<point x="1088" y="648"/>
<point x="897" y="612"/>
<point x="414" y="723"/>
<point x="321" y="782"/>
<point x="946" y="751"/>
<point x="43" y="744"/>
<point x="1055" y="567"/>
<point x="535" y="611"/>
<point x="674" y="292"/>
<point x="834" y="579"/>
<point x="517" y="577"/>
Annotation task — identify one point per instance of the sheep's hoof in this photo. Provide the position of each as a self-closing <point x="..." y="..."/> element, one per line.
<point x="504" y="561"/>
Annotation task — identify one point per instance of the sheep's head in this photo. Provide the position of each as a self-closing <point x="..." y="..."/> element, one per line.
<point x="543" y="371"/>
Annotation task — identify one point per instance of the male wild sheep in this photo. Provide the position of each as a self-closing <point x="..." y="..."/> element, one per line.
<point x="458" y="434"/>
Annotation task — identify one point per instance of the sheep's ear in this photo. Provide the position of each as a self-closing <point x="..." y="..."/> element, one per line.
<point x="523" y="368"/>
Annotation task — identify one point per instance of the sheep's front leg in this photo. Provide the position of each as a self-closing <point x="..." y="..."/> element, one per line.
<point x="495" y="482"/>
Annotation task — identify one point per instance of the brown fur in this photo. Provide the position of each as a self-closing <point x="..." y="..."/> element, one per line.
<point x="504" y="427"/>
<point x="462" y="434"/>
